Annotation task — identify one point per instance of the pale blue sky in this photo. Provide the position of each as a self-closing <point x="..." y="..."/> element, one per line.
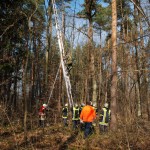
<point x="80" y="2"/>
<point x="79" y="37"/>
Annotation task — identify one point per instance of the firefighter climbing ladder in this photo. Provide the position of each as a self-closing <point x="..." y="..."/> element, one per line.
<point x="63" y="61"/>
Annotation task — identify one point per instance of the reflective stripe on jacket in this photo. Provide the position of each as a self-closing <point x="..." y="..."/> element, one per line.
<point x="75" y="113"/>
<point x="104" y="117"/>
<point x="88" y="114"/>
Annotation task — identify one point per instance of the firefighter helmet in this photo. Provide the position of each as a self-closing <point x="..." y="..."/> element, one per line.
<point x="82" y="104"/>
<point x="91" y="103"/>
<point x="76" y="105"/>
<point x="44" y="105"/>
<point x="94" y="104"/>
<point x="106" y="105"/>
<point x="66" y="105"/>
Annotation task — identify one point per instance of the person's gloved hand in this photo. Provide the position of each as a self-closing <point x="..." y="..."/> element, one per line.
<point x="94" y="124"/>
<point x="81" y="121"/>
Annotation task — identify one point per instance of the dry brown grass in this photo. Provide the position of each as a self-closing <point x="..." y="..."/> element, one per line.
<point x="133" y="136"/>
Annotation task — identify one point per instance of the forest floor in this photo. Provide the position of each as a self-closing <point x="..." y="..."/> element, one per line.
<point x="57" y="137"/>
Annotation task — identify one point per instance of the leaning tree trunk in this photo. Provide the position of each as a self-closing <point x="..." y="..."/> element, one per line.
<point x="113" y="124"/>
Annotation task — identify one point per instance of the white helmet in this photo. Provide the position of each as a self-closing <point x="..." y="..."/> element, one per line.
<point x="106" y="105"/>
<point x="94" y="105"/>
<point x="76" y="105"/>
<point x="66" y="105"/>
<point x="82" y="104"/>
<point x="91" y="103"/>
<point x="44" y="105"/>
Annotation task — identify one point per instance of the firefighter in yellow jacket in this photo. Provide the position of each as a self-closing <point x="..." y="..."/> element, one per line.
<point x="105" y="116"/>
<point x="75" y="116"/>
<point x="65" y="115"/>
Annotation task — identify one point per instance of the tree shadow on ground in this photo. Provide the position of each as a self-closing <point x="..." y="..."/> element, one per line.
<point x="71" y="139"/>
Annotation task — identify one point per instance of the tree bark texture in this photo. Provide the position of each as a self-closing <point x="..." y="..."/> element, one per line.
<point x="114" y="67"/>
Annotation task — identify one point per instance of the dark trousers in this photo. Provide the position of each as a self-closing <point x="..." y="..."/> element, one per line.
<point x="82" y="127"/>
<point x="103" y="128"/>
<point x="65" y="122"/>
<point x="75" y="124"/>
<point x="42" y="123"/>
<point x="88" y="129"/>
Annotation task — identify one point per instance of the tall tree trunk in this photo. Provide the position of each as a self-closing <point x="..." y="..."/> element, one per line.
<point x="24" y="88"/>
<point x="144" y="67"/>
<point x="148" y="99"/>
<point x="91" y="57"/>
<point x="113" y="124"/>
<point x="100" y="70"/>
<point x="49" y="36"/>
<point x="125" y="96"/>
<point x="31" y="83"/>
<point x="15" y="89"/>
<point x="24" y="92"/>
<point x="33" y="61"/>
<point x="122" y="22"/>
<point x="139" y="113"/>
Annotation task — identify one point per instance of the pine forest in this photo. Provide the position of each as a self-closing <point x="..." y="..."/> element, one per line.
<point x="75" y="74"/>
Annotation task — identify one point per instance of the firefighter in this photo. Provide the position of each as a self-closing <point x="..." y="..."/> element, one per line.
<point x="95" y="121"/>
<point x="42" y="115"/>
<point x="81" y="107"/>
<point x="75" y="116"/>
<point x="65" y="115"/>
<point x="69" y="66"/>
<point x="80" y="110"/>
<point x="95" y="108"/>
<point x="105" y="116"/>
<point x="68" y="61"/>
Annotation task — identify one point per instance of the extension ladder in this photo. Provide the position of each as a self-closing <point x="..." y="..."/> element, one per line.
<point x="63" y="61"/>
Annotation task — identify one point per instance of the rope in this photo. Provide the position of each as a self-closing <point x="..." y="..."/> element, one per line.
<point x="53" y="85"/>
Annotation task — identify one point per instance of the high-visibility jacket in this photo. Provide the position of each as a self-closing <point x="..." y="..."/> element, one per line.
<point x="75" y="113"/>
<point x="105" y="116"/>
<point x="65" y="112"/>
<point x="80" y="109"/>
<point x="88" y="114"/>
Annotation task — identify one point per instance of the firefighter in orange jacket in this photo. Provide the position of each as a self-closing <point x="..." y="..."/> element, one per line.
<point x="87" y="116"/>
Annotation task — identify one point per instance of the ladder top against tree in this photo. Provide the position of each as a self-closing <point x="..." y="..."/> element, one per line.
<point x="63" y="61"/>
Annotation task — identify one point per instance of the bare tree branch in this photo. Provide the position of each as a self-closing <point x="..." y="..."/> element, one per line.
<point x="141" y="11"/>
<point x="8" y="28"/>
